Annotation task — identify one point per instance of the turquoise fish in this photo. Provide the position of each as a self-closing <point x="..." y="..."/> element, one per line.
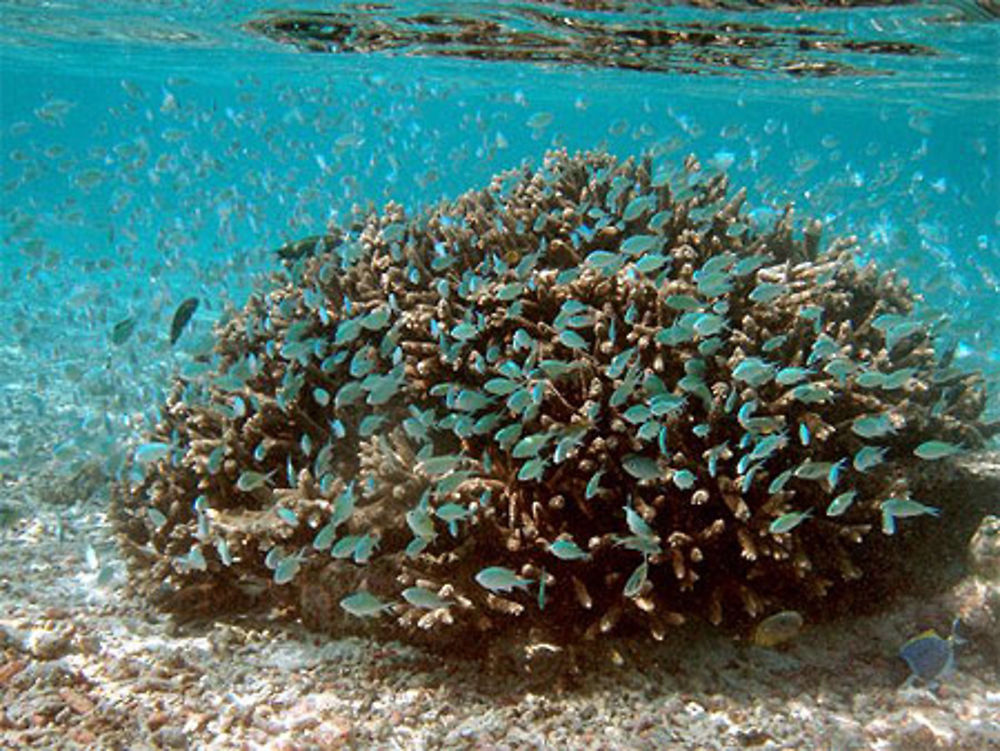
<point x="500" y="579"/>
<point x="568" y="550"/>
<point x="788" y="522"/>
<point x="902" y="508"/>
<point x="421" y="597"/>
<point x="868" y="457"/>
<point x="363" y="604"/>
<point x="936" y="450"/>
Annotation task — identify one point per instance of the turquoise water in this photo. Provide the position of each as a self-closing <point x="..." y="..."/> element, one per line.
<point x="154" y="151"/>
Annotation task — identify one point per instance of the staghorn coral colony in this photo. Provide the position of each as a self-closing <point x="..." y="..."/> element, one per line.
<point x="589" y="398"/>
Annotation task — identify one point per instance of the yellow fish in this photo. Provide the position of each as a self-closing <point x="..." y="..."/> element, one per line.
<point x="777" y="628"/>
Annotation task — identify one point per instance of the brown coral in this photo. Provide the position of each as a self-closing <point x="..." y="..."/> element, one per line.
<point x="585" y="398"/>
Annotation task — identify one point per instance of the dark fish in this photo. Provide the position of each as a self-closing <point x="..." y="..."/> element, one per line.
<point x="948" y="355"/>
<point x="307" y="247"/>
<point x="122" y="331"/>
<point x="181" y="317"/>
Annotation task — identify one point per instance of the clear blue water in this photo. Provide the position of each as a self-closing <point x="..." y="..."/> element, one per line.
<point x="151" y="151"/>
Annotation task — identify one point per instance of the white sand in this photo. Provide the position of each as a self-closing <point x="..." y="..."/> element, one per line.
<point x="85" y="666"/>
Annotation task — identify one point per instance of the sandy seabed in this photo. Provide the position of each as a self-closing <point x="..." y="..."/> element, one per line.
<point x="85" y="666"/>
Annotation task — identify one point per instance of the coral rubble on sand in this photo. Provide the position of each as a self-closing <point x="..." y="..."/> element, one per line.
<point x="590" y="397"/>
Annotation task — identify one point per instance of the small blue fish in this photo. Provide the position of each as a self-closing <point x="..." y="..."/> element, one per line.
<point x="651" y="263"/>
<point x="683" y="302"/>
<point x="501" y="386"/>
<point x="468" y="400"/>
<point x="810" y="470"/>
<point x="841" y="503"/>
<point x="500" y="579"/>
<point x="347" y="331"/>
<point x="249" y="480"/>
<point x="532" y="470"/>
<point x="714" y="284"/>
<point x="157" y="517"/>
<point x="684" y="479"/>
<point x="648" y="431"/>
<point x="745" y="411"/>
<point x="753" y="371"/>
<point x="324" y="538"/>
<point x="897" y="378"/>
<point x="594" y="485"/>
<point x="568" y="550"/>
<point x="420" y="523"/>
<point x="636" y="581"/>
<point x="709" y="324"/>
<point x="364" y="548"/>
<point x="870" y="379"/>
<point x="606" y="262"/>
<point x="637" y="525"/>
<point x="122" y="331"/>
<point x="194" y="560"/>
<point x="765" y="448"/>
<point x="640" y="544"/>
<point x="529" y="446"/>
<point x="886" y="321"/>
<point x="775" y="342"/>
<point x="766" y="292"/>
<point x="812" y="393"/>
<point x="343" y="506"/>
<point x="639" y="244"/>
<point x="222" y="548"/>
<point x="823" y="348"/>
<point x="464" y="331"/>
<point x="421" y="597"/>
<point x="345" y="546"/>
<point x="665" y="404"/>
<point x="840" y="368"/>
<point x="439" y="465"/>
<point x="641" y="467"/>
<point x="930" y="657"/>
<point x="151" y="452"/>
<point x="708" y="347"/>
<point x="749" y="264"/>
<point x="936" y="450"/>
<point x="572" y="340"/>
<point x="619" y="362"/>
<point x="637" y="413"/>
<point x="834" y="474"/>
<point x="868" y="457"/>
<point x="523" y="340"/>
<point x="872" y="426"/>
<point x="363" y="604"/>
<point x="748" y="479"/>
<point x="451" y="512"/>
<point x="286" y="570"/>
<point x="791" y="376"/>
<point x="638" y="206"/>
<point x="788" y="522"/>
<point x="903" y="508"/>
<point x="779" y="482"/>
<point x="376" y="319"/>
<point x="901" y="331"/>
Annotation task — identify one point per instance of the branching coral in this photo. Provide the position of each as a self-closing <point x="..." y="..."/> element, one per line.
<point x="589" y="397"/>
